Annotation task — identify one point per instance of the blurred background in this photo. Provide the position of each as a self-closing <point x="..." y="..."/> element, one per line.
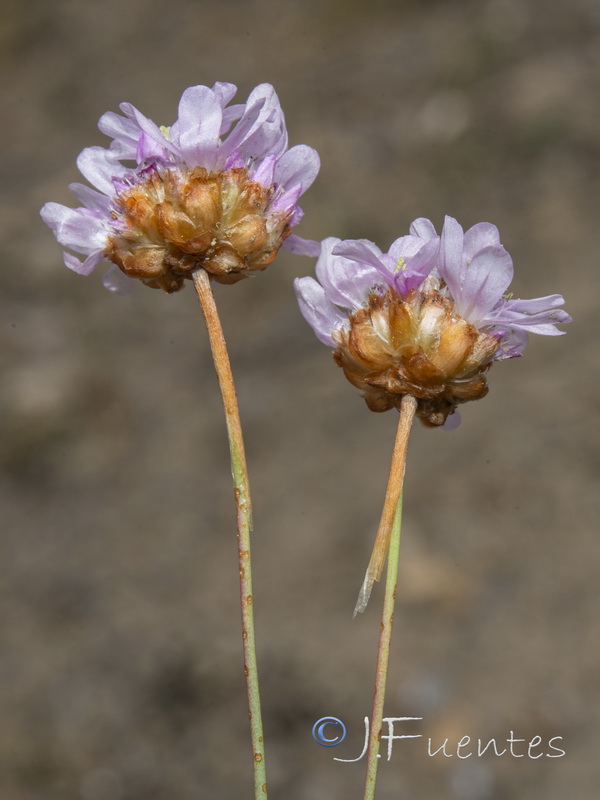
<point x="120" y="664"/>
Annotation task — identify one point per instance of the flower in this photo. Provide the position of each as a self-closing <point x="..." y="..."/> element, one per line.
<point x="217" y="190"/>
<point x="428" y="318"/>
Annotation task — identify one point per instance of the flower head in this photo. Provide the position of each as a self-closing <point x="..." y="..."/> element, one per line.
<point x="217" y="190"/>
<point x="427" y="319"/>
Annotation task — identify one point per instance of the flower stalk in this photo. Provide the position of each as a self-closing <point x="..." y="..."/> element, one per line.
<point x="388" y="539"/>
<point x="244" y="521"/>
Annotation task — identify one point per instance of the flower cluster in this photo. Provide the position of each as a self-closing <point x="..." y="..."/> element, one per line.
<point x="428" y="318"/>
<point x="217" y="190"/>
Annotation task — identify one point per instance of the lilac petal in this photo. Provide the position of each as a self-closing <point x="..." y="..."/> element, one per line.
<point x="196" y="132"/>
<point x="321" y="315"/>
<point x="224" y="92"/>
<point x="263" y="174"/>
<point x="285" y="202"/>
<point x="124" y="132"/>
<point x="423" y="261"/>
<point x="147" y="149"/>
<point x="248" y="123"/>
<point x="538" y="315"/>
<point x="116" y="281"/>
<point x="423" y="228"/>
<point x="231" y="114"/>
<point x="541" y="329"/>
<point x="77" y="229"/>
<point x="297" y="216"/>
<point x="147" y="126"/>
<point x="365" y="252"/>
<point x="91" y="198"/>
<point x="85" y="267"/>
<point x="405" y="247"/>
<point x="486" y="279"/>
<point x="417" y="268"/>
<point x="269" y="135"/>
<point x="542" y="323"/>
<point x="452" y="421"/>
<point x="511" y="344"/>
<point x="451" y="256"/>
<point x="302" y="247"/>
<point x="234" y="161"/>
<point x="99" y="167"/>
<point x="299" y="165"/>
<point x="347" y="283"/>
<point x="484" y="234"/>
<point x="536" y="304"/>
<point x="118" y="127"/>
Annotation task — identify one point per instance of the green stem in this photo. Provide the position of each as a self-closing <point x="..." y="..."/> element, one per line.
<point x="407" y="412"/>
<point x="244" y="522"/>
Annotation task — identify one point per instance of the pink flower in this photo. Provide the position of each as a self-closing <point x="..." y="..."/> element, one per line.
<point x="217" y="190"/>
<point x="428" y="318"/>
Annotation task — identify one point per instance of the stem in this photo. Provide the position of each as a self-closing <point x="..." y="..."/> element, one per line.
<point x="392" y="496"/>
<point x="394" y="493"/>
<point x="244" y="521"/>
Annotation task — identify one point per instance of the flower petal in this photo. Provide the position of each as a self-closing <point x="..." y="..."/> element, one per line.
<point x="451" y="256"/>
<point x="77" y="229"/>
<point x="536" y="304"/>
<point x="146" y="125"/>
<point x="302" y="247"/>
<point x="511" y="345"/>
<point x="124" y="133"/>
<point x="543" y="322"/>
<point x="405" y="247"/>
<point x="452" y="421"/>
<point x="196" y="132"/>
<point x="249" y="121"/>
<point x="264" y="171"/>
<point x="148" y="148"/>
<point x="85" y="267"/>
<point x="365" y="252"/>
<point x="484" y="234"/>
<point x="299" y="165"/>
<point x="269" y="135"/>
<point x="486" y="279"/>
<point x="99" y="167"/>
<point x="287" y="200"/>
<point x="423" y="228"/>
<point x="224" y="92"/>
<point x="417" y="268"/>
<point x="91" y="198"/>
<point x="347" y="282"/>
<point x="321" y="315"/>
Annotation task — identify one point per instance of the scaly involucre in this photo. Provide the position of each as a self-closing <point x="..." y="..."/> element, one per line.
<point x="427" y="318"/>
<point x="217" y="190"/>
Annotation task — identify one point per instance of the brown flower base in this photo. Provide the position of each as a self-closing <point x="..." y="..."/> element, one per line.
<point x="418" y="346"/>
<point x="175" y="222"/>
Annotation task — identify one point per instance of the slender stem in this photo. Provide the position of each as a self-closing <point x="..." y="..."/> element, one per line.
<point x="407" y="413"/>
<point x="244" y="521"/>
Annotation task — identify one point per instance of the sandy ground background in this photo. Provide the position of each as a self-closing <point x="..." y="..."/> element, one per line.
<point x="120" y="663"/>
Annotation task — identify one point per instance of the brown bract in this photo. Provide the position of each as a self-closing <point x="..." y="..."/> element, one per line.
<point x="418" y="346"/>
<point x="175" y="221"/>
